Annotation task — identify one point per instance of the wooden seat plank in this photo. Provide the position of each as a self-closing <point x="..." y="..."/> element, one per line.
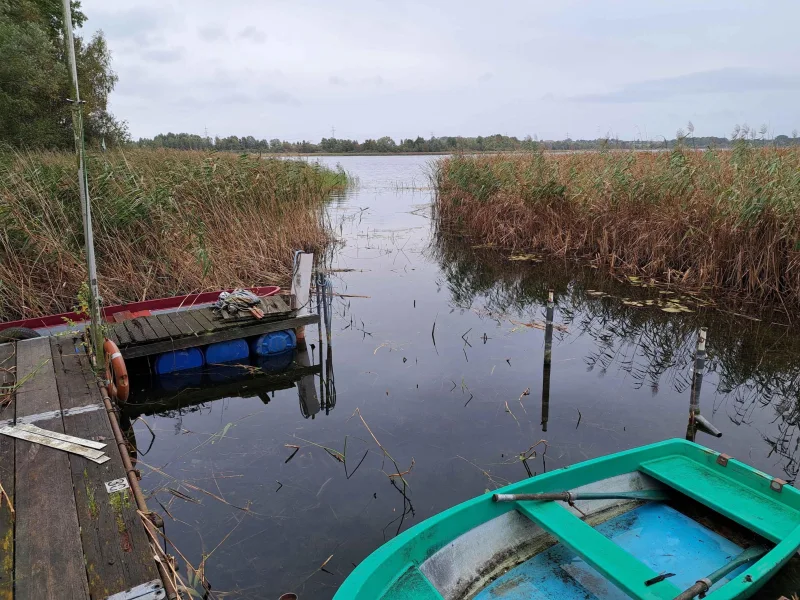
<point x="8" y="363"/>
<point x="614" y="563"/>
<point x="115" y="545"/>
<point x="757" y="511"/>
<point x="48" y="561"/>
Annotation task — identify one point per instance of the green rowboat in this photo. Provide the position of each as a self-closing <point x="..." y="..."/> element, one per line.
<point x="664" y="521"/>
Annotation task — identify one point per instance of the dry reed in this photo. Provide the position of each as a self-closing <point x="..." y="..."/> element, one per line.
<point x="165" y="223"/>
<point x="723" y="220"/>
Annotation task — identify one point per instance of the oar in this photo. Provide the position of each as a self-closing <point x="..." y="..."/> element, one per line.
<point x="573" y="496"/>
<point x="703" y="585"/>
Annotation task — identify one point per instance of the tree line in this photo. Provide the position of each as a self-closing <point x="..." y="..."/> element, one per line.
<point x="445" y="144"/>
<point x="35" y="90"/>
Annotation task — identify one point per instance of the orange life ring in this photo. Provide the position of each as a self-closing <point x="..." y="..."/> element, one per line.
<point x="116" y="373"/>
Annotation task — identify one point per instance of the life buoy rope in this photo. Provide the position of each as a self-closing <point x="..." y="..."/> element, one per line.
<point x="116" y="373"/>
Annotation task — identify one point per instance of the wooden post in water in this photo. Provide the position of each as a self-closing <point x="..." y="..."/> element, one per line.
<point x="696" y="420"/>
<point x="548" y="355"/>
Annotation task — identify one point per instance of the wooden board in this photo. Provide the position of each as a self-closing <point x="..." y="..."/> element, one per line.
<point x="147" y="330"/>
<point x="185" y="327"/>
<point x="202" y="317"/>
<point x="280" y="303"/>
<point x="48" y="561"/>
<point x="122" y="335"/>
<point x="136" y="333"/>
<point x="115" y="545"/>
<point x="239" y="331"/>
<point x="171" y="328"/>
<point x="7" y="367"/>
<point x="157" y="327"/>
<point x="194" y="323"/>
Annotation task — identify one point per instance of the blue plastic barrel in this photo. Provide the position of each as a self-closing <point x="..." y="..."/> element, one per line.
<point x="274" y="343"/>
<point x="274" y="363"/>
<point x="223" y="352"/>
<point x="179" y="360"/>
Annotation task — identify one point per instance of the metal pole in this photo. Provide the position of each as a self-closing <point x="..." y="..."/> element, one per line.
<point x="696" y="420"/>
<point x="548" y="355"/>
<point x="83" y="190"/>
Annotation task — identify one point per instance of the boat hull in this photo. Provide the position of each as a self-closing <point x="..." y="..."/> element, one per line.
<point x="452" y="555"/>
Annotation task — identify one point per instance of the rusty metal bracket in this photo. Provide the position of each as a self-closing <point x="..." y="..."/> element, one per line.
<point x="722" y="460"/>
<point x="776" y="485"/>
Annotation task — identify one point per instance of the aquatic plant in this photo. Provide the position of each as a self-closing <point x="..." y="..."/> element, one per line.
<point x="165" y="223"/>
<point x="728" y="221"/>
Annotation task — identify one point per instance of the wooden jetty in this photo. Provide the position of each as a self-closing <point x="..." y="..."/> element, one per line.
<point x="193" y="327"/>
<point x="67" y="537"/>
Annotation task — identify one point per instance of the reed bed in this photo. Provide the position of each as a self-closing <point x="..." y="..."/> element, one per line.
<point x="165" y="223"/>
<point x="728" y="221"/>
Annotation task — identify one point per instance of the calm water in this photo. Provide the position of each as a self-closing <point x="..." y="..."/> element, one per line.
<point x="460" y="410"/>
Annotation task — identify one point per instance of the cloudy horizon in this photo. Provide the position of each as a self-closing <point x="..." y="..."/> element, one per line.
<point x="578" y="69"/>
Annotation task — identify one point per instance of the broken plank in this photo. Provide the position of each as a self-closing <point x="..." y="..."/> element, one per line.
<point x="7" y="367"/>
<point x="116" y="548"/>
<point x="48" y="561"/>
<point x="51" y="442"/>
<point x="60" y="436"/>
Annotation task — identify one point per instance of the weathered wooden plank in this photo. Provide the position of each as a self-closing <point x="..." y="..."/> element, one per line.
<point x="48" y="555"/>
<point x="167" y="323"/>
<point x="197" y="315"/>
<point x="177" y="319"/>
<point x="142" y="323"/>
<point x="253" y="327"/>
<point x="114" y="542"/>
<point x="136" y="333"/>
<point x="281" y="304"/>
<point x="122" y="334"/>
<point x="7" y="368"/>
<point x="160" y="331"/>
<point x="211" y="317"/>
<point x="111" y="335"/>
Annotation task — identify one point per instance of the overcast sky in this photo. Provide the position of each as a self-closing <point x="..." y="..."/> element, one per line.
<point x="294" y="69"/>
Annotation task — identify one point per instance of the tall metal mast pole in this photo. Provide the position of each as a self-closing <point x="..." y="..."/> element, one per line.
<point x="83" y="190"/>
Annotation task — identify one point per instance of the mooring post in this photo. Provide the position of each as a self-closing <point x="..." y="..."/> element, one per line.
<point x="301" y="289"/>
<point x="548" y="354"/>
<point x="696" y="420"/>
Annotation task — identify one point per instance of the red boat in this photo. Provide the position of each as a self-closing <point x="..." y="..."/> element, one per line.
<point x="121" y="312"/>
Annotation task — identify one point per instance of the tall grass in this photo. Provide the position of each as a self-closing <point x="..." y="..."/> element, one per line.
<point x="724" y="220"/>
<point x="165" y="223"/>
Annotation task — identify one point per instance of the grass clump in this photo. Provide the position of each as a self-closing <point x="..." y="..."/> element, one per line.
<point x="724" y="220"/>
<point x="165" y="223"/>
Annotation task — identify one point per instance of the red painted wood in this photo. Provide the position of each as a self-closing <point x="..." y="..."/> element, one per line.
<point x="138" y="308"/>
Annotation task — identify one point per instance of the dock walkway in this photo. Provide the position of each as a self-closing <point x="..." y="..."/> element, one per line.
<point x="193" y="327"/>
<point x="68" y="537"/>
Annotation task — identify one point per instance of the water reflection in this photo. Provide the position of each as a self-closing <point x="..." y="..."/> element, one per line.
<point x="753" y="364"/>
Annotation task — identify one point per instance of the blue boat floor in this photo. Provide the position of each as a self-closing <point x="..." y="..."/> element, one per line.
<point x="664" y="539"/>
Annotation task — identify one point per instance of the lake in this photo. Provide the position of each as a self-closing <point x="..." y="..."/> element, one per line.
<point x="437" y="353"/>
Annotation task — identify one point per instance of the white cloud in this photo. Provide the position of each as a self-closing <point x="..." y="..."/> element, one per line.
<point x="293" y="69"/>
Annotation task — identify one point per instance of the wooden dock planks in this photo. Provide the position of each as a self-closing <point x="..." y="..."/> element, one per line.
<point x="48" y="561"/>
<point x="8" y="363"/>
<point x="115" y="545"/>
